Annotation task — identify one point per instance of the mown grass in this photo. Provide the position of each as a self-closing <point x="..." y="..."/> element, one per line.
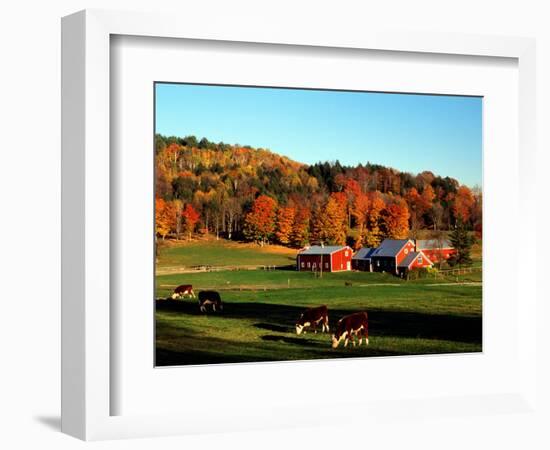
<point x="260" y="309"/>
<point x="258" y="325"/>
<point x="223" y="253"/>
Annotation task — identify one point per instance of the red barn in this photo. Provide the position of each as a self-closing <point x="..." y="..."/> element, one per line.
<point x="396" y="256"/>
<point x="413" y="260"/>
<point x="390" y="253"/>
<point x="435" y="249"/>
<point x="331" y="258"/>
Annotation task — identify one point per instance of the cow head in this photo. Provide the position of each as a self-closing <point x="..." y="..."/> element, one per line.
<point x="300" y="325"/>
<point x="336" y="339"/>
<point x="175" y="296"/>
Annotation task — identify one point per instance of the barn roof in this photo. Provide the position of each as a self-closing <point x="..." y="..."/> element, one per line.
<point x="364" y="253"/>
<point x="409" y="259"/>
<point x="390" y="247"/>
<point x="318" y="250"/>
<point x="432" y="244"/>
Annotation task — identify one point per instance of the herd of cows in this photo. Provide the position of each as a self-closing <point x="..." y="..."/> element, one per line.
<point x="350" y="327"/>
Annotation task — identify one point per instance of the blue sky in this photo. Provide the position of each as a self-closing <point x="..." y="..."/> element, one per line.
<point x="411" y="133"/>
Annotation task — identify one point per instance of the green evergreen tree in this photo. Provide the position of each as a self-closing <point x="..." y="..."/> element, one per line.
<point x="462" y="242"/>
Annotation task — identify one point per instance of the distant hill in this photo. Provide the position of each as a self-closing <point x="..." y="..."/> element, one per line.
<point x="222" y="182"/>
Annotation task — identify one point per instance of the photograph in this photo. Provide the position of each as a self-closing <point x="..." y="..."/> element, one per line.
<point x="298" y="224"/>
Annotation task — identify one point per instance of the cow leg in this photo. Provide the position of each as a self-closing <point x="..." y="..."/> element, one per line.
<point x="326" y="324"/>
<point x="214" y="307"/>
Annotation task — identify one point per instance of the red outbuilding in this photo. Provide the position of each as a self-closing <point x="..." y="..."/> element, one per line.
<point x="413" y="260"/>
<point x="435" y="249"/>
<point x="331" y="258"/>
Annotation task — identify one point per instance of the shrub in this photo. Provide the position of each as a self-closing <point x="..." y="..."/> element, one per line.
<point x="420" y="273"/>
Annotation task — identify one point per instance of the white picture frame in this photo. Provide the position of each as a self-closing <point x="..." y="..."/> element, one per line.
<point x="86" y="217"/>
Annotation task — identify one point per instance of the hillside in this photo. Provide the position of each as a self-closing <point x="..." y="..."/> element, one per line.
<point x="255" y="194"/>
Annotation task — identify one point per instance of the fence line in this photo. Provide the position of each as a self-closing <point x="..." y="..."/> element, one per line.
<point x="460" y="271"/>
<point x="208" y="268"/>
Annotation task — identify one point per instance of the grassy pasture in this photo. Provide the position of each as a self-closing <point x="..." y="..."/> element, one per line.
<point x="260" y="309"/>
<point x="223" y="253"/>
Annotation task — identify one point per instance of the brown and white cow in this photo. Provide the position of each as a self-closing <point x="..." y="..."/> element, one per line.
<point x="210" y="298"/>
<point x="182" y="290"/>
<point x="356" y="324"/>
<point x="311" y="318"/>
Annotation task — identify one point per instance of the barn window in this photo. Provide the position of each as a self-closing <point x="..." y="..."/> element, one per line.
<point x="303" y="264"/>
<point x="308" y="264"/>
<point x="314" y="265"/>
<point x="419" y="260"/>
<point x="346" y="253"/>
<point x="406" y="251"/>
<point x="326" y="265"/>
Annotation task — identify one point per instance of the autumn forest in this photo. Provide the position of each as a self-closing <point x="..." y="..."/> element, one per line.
<point x="243" y="193"/>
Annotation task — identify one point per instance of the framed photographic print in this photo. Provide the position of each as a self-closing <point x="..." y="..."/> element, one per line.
<point x="251" y="214"/>
<point x="277" y="244"/>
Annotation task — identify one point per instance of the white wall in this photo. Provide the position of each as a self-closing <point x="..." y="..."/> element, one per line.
<point x="30" y="188"/>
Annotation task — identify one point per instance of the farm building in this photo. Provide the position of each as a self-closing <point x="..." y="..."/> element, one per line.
<point x="362" y="259"/>
<point x="332" y="258"/>
<point x="413" y="260"/>
<point x="397" y="256"/>
<point x="435" y="249"/>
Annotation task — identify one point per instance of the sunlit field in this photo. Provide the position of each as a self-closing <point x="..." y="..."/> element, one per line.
<point x="426" y="316"/>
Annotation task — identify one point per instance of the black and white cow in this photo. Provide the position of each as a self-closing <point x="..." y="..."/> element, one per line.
<point x="182" y="290"/>
<point x="311" y="318"/>
<point x="210" y="298"/>
<point x="356" y="324"/>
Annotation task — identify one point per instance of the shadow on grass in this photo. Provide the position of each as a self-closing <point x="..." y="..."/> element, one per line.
<point x="194" y="357"/>
<point x="279" y="321"/>
<point x="291" y="267"/>
<point x="275" y="328"/>
<point x="388" y="323"/>
<point x="291" y="340"/>
<point x="316" y="351"/>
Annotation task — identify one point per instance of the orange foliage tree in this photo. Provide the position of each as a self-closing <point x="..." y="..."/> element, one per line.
<point x="463" y="203"/>
<point x="330" y="222"/>
<point x="259" y="223"/>
<point x="396" y="218"/>
<point x="300" y="228"/>
<point x="373" y="234"/>
<point x="285" y="222"/>
<point x="190" y="219"/>
<point x="359" y="212"/>
<point x="165" y="217"/>
<point x="428" y="196"/>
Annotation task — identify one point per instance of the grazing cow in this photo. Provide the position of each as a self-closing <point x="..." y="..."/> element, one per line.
<point x="210" y="298"/>
<point x="311" y="318"/>
<point x="182" y="290"/>
<point x="356" y="324"/>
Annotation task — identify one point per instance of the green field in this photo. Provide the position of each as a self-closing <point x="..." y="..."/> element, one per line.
<point x="223" y="253"/>
<point x="261" y="307"/>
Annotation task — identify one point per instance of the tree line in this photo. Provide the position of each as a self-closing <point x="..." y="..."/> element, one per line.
<point x="239" y="192"/>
